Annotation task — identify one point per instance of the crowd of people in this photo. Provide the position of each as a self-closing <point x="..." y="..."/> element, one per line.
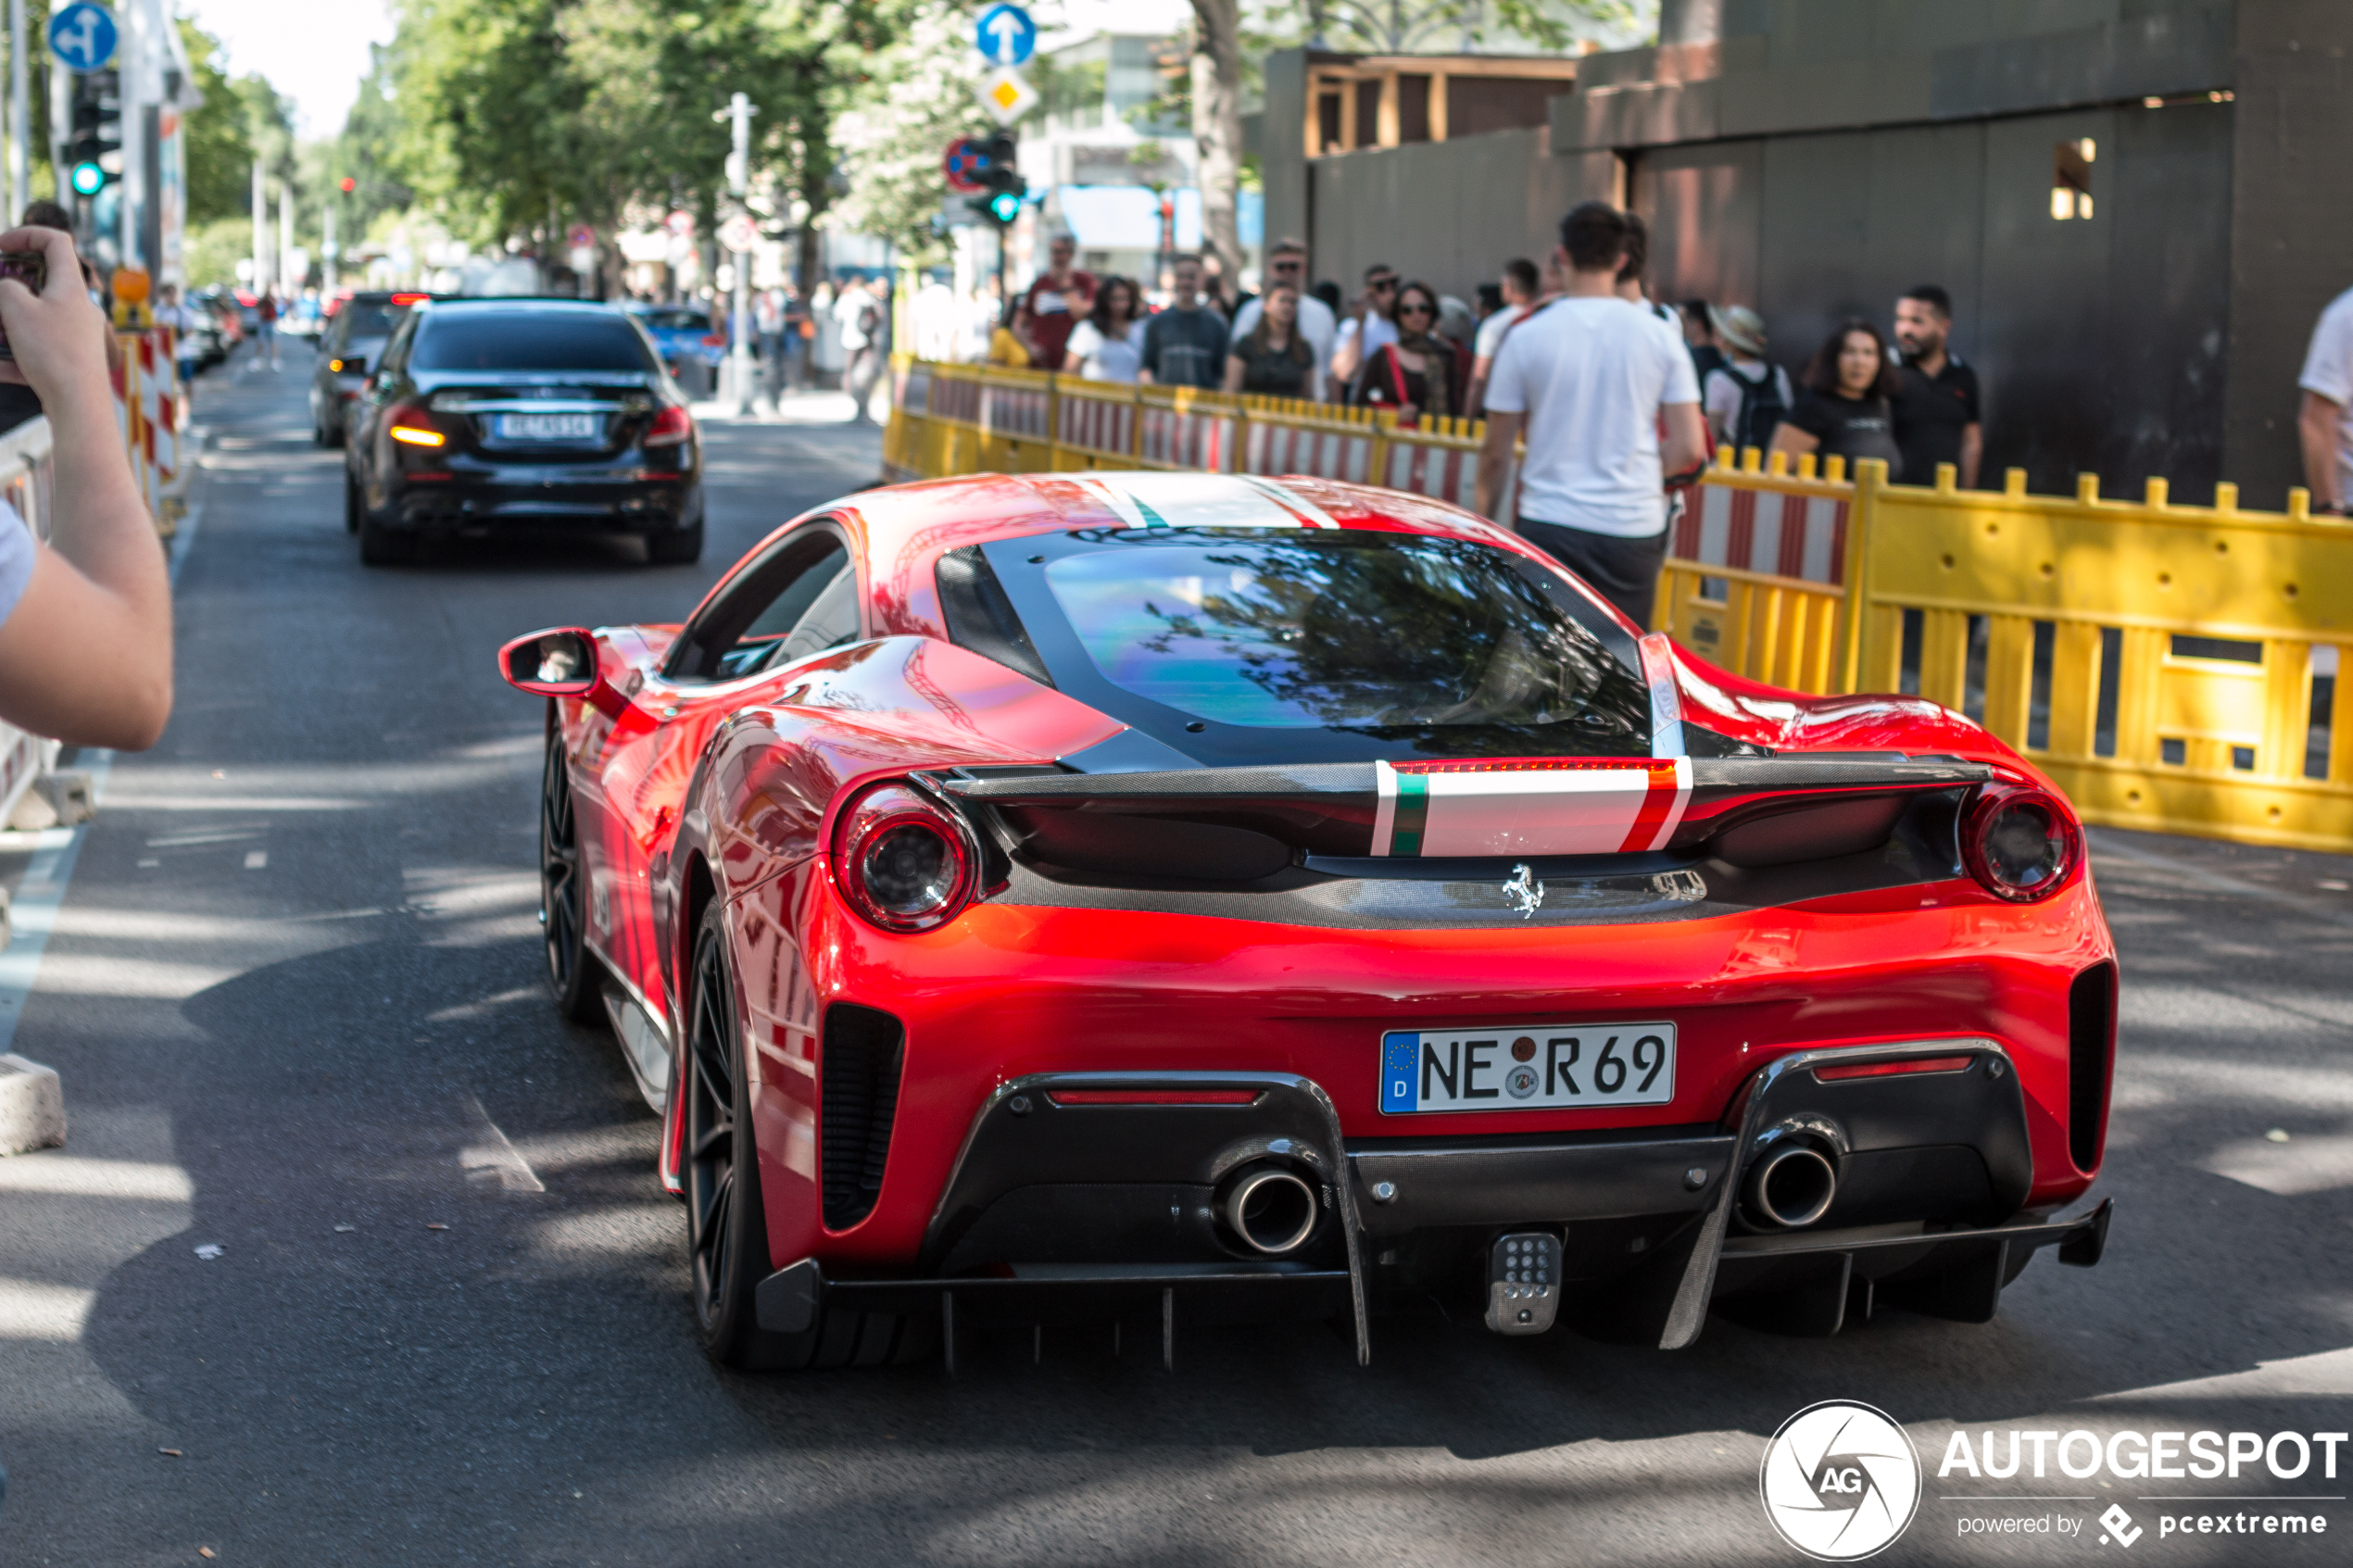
<point x="1904" y="397"/>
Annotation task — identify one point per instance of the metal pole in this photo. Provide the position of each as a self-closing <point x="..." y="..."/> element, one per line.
<point x="741" y="109"/>
<point x="260" y="229"/>
<point x="327" y="252"/>
<point x="131" y="60"/>
<point x="20" y="117"/>
<point x="285" y="233"/>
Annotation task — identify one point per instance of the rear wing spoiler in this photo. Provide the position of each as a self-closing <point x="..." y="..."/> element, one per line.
<point x="1762" y="808"/>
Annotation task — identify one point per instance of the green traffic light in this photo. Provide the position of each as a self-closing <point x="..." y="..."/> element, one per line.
<point x="1005" y="205"/>
<point x="88" y="179"/>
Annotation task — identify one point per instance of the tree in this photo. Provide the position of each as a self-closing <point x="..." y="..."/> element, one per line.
<point x="1218" y="126"/>
<point x="896" y="125"/>
<point x="218" y="146"/>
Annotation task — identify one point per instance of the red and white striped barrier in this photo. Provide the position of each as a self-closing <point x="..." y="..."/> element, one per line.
<point x="1103" y="427"/>
<point x="1176" y="437"/>
<point x="1320" y="451"/>
<point x="1012" y="410"/>
<point x="1785" y="535"/>
<point x="1442" y="471"/>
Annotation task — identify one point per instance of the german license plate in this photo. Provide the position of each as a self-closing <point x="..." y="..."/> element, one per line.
<point x="1527" y="1067"/>
<point x="547" y="427"/>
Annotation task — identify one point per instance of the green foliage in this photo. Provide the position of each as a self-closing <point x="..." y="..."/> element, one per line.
<point x="218" y="136"/>
<point x="212" y="250"/>
<point x="895" y="125"/>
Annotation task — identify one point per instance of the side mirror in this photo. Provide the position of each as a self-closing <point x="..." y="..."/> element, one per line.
<point x="560" y="661"/>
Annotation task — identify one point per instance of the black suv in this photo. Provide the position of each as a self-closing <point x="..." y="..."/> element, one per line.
<point x="484" y="412"/>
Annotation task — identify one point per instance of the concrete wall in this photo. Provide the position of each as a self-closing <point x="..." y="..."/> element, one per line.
<point x="2291" y="223"/>
<point x="1448" y="213"/>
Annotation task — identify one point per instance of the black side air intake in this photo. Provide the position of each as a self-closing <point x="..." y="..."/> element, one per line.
<point x="2091" y="1052"/>
<point x="859" y="1083"/>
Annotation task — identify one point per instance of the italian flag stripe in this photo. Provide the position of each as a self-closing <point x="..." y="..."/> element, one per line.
<point x="1533" y="807"/>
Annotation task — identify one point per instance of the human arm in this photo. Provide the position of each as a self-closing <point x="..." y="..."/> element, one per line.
<point x="1148" y="356"/>
<point x="85" y="656"/>
<point x="1234" y="369"/>
<point x="2317" y="424"/>
<point x="1973" y="453"/>
<point x="1684" y="451"/>
<point x="1788" y="438"/>
<point x="1347" y="349"/>
<point x="1495" y="463"/>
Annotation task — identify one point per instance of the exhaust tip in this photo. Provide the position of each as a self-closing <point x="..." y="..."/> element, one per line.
<point x="1271" y="1210"/>
<point x="1791" y="1186"/>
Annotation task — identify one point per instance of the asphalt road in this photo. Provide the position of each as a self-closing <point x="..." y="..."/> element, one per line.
<point x="294" y="991"/>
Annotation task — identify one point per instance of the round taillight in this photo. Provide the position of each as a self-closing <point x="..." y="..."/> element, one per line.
<point x="901" y="861"/>
<point x="2020" y="843"/>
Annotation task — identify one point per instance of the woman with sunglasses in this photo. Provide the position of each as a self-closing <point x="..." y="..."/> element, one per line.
<point x="1274" y="358"/>
<point x="1421" y="373"/>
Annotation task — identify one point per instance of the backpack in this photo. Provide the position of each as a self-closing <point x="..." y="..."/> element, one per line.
<point x="1762" y="407"/>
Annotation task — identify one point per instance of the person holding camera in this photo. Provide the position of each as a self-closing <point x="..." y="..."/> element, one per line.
<point x="85" y="618"/>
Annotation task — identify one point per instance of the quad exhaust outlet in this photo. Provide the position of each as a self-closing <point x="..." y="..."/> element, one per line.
<point x="1271" y="1208"/>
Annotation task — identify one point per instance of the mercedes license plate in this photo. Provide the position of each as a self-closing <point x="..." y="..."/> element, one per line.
<point x="1527" y="1067"/>
<point x="547" y="427"/>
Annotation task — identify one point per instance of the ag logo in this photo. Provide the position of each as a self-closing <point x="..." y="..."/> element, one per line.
<point x="1840" y="1481"/>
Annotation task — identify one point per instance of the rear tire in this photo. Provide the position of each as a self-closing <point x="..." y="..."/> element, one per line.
<point x="575" y="975"/>
<point x="681" y="546"/>
<point x="350" y="503"/>
<point x="726" y="1222"/>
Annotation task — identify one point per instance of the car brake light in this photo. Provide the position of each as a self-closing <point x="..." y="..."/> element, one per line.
<point x="411" y="426"/>
<point x="902" y="862"/>
<point x="2020" y="841"/>
<point x="1892" y="1069"/>
<point x="405" y="300"/>
<point x="671" y="424"/>
<point x="714" y="340"/>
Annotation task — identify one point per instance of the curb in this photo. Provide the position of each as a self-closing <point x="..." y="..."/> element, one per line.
<point x="32" y="1107"/>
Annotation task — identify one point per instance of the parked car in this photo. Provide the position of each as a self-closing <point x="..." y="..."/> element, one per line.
<point x="357" y="331"/>
<point x="1197" y="897"/>
<point x="482" y="413"/>
<point x="684" y="334"/>
<point x="213" y="328"/>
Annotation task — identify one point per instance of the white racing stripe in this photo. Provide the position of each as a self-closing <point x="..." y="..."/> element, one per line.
<point x="1202" y="500"/>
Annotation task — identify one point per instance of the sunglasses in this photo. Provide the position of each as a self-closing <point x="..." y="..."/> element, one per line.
<point x="1289" y="264"/>
<point x="1417" y="311"/>
<point x="1382" y="286"/>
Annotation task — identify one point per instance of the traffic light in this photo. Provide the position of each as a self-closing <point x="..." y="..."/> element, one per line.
<point x="94" y="145"/>
<point x="1001" y="186"/>
<point x="348" y="184"/>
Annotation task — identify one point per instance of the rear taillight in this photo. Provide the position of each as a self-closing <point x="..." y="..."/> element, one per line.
<point x="1894" y="1069"/>
<point x="714" y="340"/>
<point x="411" y="426"/>
<point x="901" y="861"/>
<point x="2020" y="841"/>
<point x="671" y="424"/>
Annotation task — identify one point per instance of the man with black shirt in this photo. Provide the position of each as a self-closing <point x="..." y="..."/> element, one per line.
<point x="1185" y="345"/>
<point x="1937" y="417"/>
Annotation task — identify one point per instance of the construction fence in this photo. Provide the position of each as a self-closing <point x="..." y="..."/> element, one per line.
<point x="2174" y="668"/>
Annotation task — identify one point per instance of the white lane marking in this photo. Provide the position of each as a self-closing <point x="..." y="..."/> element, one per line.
<point x="2324" y="1373"/>
<point x="2303" y="1164"/>
<point x="32" y="913"/>
<point x="30" y="1310"/>
<point x="489" y="1159"/>
<point x="486" y="1007"/>
<point x="133" y="799"/>
<point x="58" y="1172"/>
<point x="2102" y="844"/>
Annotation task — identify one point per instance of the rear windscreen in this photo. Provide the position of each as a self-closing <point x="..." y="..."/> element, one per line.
<point x="529" y="341"/>
<point x="1386" y="632"/>
<point x="677" y="321"/>
<point x="367" y="319"/>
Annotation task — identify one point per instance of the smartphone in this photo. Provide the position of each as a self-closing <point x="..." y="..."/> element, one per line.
<point x="29" y="268"/>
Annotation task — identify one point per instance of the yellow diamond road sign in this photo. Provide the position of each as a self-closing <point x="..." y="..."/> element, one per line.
<point x="1006" y="96"/>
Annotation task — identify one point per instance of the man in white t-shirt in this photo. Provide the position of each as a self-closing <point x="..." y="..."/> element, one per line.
<point x="1520" y="286"/>
<point x="1286" y="263"/>
<point x="1594" y="381"/>
<point x="2324" y="425"/>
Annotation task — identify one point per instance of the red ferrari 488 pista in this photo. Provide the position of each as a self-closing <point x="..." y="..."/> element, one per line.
<point x="1188" y="898"/>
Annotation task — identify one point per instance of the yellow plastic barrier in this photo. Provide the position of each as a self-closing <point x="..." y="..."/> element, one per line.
<point x="2175" y="669"/>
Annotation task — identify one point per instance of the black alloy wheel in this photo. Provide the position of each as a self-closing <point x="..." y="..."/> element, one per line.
<point x="727" y="1246"/>
<point x="574" y="974"/>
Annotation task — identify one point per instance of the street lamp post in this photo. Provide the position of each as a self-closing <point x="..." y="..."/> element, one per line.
<point x="741" y="109"/>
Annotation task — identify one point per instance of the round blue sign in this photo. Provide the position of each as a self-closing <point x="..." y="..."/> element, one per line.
<point x="1006" y="35"/>
<point x="83" y="37"/>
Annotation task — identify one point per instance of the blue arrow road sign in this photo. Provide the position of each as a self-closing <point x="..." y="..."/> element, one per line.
<point x="82" y="36"/>
<point x="1006" y="35"/>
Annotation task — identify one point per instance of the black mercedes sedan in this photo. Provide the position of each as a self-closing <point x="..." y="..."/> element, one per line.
<point x="484" y="414"/>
